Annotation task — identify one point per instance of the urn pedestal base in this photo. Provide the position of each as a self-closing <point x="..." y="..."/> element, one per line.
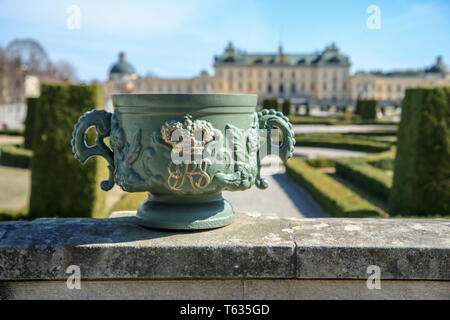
<point x="180" y="215"/>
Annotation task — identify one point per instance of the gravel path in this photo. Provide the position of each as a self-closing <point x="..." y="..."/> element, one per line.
<point x="312" y="152"/>
<point x="283" y="198"/>
<point x="6" y="139"/>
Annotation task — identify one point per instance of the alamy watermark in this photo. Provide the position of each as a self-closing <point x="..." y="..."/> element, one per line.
<point x="374" y="279"/>
<point x="73" y="21"/>
<point x="374" y="20"/>
<point x="74" y="280"/>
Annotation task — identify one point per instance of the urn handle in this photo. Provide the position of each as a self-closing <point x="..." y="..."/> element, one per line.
<point x="268" y="119"/>
<point x="101" y="119"/>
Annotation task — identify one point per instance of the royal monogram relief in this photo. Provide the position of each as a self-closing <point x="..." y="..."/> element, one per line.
<point x="188" y="140"/>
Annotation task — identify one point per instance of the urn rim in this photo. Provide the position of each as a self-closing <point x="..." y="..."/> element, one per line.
<point x="156" y="100"/>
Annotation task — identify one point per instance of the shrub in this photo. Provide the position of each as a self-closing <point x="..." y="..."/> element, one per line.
<point x="286" y="107"/>
<point x="383" y="160"/>
<point x="15" y="155"/>
<point x="60" y="185"/>
<point x="421" y="184"/>
<point x="332" y="196"/>
<point x="340" y="141"/>
<point x="270" y="103"/>
<point x="129" y="201"/>
<point x="323" y="162"/>
<point x="367" y="109"/>
<point x="373" y="180"/>
<point x="29" y="122"/>
<point x="12" y="132"/>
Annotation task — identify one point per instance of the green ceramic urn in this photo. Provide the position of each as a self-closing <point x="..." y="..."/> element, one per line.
<point x="184" y="150"/>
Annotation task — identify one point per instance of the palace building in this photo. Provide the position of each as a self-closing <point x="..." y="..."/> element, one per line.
<point x="389" y="87"/>
<point x="320" y="78"/>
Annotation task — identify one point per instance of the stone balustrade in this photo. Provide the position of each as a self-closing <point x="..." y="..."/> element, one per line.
<point x="256" y="257"/>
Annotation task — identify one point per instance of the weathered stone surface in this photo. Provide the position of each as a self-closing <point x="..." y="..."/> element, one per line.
<point x="118" y="248"/>
<point x="344" y="248"/>
<point x="124" y="290"/>
<point x="260" y="289"/>
<point x="345" y="290"/>
<point x="254" y="246"/>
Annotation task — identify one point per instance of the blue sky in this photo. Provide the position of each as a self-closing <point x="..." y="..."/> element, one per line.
<point x="179" y="38"/>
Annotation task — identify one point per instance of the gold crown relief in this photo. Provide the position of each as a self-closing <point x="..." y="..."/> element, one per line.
<point x="188" y="133"/>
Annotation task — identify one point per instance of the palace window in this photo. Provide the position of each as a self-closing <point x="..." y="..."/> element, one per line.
<point x="249" y="86"/>
<point x="240" y="74"/>
<point x="269" y="74"/>
<point x="303" y="75"/>
<point x="281" y="88"/>
<point x="334" y="75"/>
<point x="293" y="88"/>
<point x="324" y="86"/>
<point x="269" y="88"/>
<point x="230" y="75"/>
<point x="150" y="88"/>
<point x="324" y="75"/>
<point x="293" y="74"/>
<point x="240" y="85"/>
<point x="281" y="74"/>
<point x="260" y="74"/>
<point x="312" y="86"/>
<point x="399" y="88"/>
<point x="160" y="88"/>
<point x="259" y="86"/>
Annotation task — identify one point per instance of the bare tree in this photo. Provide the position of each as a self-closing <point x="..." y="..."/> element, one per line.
<point x="29" y="54"/>
<point x="66" y="71"/>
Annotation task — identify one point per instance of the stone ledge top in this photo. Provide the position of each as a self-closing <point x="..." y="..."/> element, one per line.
<point x="254" y="246"/>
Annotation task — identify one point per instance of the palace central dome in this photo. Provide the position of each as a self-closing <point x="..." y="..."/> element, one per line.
<point x="122" y="69"/>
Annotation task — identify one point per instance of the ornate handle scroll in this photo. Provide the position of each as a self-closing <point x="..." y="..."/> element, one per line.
<point x="101" y="119"/>
<point x="268" y="119"/>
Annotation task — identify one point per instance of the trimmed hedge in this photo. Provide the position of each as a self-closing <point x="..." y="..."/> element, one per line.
<point x="339" y="141"/>
<point x="60" y="185"/>
<point x="332" y="196"/>
<point x="421" y="184"/>
<point x="15" y="155"/>
<point x="286" y="107"/>
<point x="270" y="104"/>
<point x="129" y="201"/>
<point x="373" y="180"/>
<point x="343" y="120"/>
<point x="12" y="132"/>
<point x="367" y="109"/>
<point x="323" y="162"/>
<point x="383" y="160"/>
<point x="29" y="122"/>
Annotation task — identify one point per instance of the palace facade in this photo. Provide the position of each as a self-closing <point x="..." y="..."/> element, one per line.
<point x="320" y="78"/>
<point x="389" y="87"/>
